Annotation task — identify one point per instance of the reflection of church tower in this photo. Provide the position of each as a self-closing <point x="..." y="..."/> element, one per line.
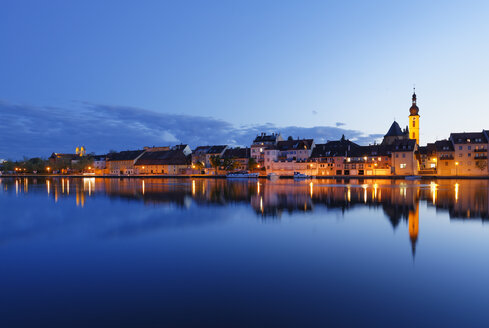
<point x="413" y="222"/>
<point x="414" y="120"/>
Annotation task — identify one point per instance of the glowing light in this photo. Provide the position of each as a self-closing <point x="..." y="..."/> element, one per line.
<point x="258" y="187"/>
<point x="311" y="185"/>
<point x="434" y="190"/>
<point x="193" y="187"/>
<point x="261" y="205"/>
<point x="68" y="187"/>
<point x="456" y="163"/>
<point x="456" y="192"/>
<point x="143" y="187"/>
<point x="48" y="186"/>
<point x="16" y="187"/>
<point x="348" y="194"/>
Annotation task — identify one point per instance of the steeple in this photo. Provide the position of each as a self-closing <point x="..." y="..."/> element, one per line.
<point x="414" y="119"/>
<point x="414" y="110"/>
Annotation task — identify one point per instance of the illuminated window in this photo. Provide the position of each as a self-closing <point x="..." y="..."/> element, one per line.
<point x="402" y="166"/>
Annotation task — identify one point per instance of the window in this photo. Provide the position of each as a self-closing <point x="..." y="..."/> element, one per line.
<point x="414" y="124"/>
<point x="459" y="147"/>
<point x="402" y="166"/>
<point x="403" y="155"/>
<point x="469" y="154"/>
<point x="414" y="135"/>
<point x="397" y="155"/>
<point x="469" y="147"/>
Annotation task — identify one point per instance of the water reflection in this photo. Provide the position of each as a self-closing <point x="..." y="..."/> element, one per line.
<point x="160" y="248"/>
<point x="399" y="200"/>
<point x="463" y="199"/>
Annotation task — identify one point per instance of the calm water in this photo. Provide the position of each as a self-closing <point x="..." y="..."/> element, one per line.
<point x="179" y="253"/>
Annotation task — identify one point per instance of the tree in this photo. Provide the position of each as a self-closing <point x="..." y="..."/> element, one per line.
<point x="199" y="165"/>
<point x="252" y="164"/>
<point x="82" y="164"/>
<point x="8" y="166"/>
<point x="228" y="164"/>
<point x="481" y="164"/>
<point x="215" y="161"/>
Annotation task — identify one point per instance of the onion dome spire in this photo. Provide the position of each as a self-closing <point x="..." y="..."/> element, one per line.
<point x="414" y="110"/>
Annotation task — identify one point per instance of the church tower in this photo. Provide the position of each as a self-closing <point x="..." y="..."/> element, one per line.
<point x="414" y="120"/>
<point x="413" y="223"/>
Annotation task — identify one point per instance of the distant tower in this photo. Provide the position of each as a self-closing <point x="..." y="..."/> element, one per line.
<point x="414" y="120"/>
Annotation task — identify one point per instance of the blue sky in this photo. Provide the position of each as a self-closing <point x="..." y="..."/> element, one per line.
<point x="102" y="73"/>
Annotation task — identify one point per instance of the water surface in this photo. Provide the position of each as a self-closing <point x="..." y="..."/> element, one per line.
<point x="180" y="253"/>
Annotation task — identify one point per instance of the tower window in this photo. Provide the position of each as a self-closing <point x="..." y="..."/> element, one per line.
<point x="414" y="135"/>
<point x="414" y="124"/>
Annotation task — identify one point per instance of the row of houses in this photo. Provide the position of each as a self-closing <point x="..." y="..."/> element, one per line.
<point x="462" y="154"/>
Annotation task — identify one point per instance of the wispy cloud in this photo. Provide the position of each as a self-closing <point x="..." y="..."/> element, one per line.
<point x="338" y="124"/>
<point x="38" y="131"/>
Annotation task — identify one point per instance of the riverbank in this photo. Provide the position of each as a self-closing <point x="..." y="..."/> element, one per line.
<point x="337" y="177"/>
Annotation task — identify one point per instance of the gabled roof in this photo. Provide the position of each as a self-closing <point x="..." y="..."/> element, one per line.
<point x="99" y="157"/>
<point x="394" y="131"/>
<point x="236" y="153"/>
<point x="266" y="138"/>
<point x="468" y="137"/>
<point x="334" y="148"/>
<point x="216" y="149"/>
<point x="127" y="155"/>
<point x="163" y="157"/>
<point x="297" y="144"/>
<point x="444" y="145"/>
<point x="403" y="145"/>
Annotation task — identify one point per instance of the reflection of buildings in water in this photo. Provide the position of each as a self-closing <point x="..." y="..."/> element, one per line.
<point x="413" y="223"/>
<point x="398" y="199"/>
<point x="463" y="199"/>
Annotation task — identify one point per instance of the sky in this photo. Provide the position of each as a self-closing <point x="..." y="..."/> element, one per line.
<point x="118" y="75"/>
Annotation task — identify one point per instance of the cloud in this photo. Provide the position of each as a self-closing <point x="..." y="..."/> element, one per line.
<point x="39" y="131"/>
<point x="338" y="124"/>
<point x="314" y="112"/>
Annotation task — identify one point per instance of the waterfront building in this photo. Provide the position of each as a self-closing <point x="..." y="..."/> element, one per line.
<point x="261" y="143"/>
<point x="239" y="156"/>
<point x="403" y="157"/>
<point x="203" y="154"/>
<point x="289" y="156"/>
<point x="470" y="151"/>
<point x="99" y="164"/>
<point x="163" y="162"/>
<point x="445" y="158"/>
<point x="122" y="163"/>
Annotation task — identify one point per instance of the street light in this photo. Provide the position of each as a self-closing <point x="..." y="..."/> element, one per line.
<point x="456" y="168"/>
